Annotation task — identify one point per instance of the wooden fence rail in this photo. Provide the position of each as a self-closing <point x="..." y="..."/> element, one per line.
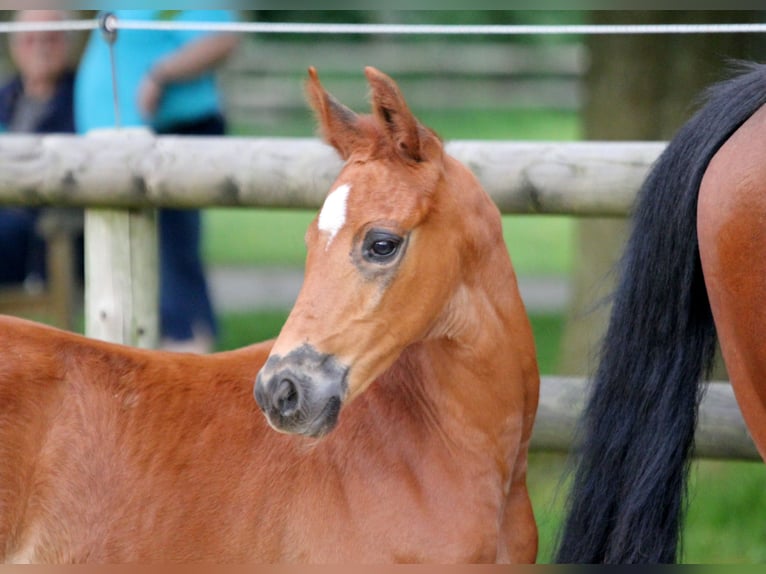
<point x="133" y="169"/>
<point x="721" y="431"/>
<point x="124" y="175"/>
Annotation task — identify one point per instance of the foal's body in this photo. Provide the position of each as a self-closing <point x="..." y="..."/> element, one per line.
<point x="112" y="454"/>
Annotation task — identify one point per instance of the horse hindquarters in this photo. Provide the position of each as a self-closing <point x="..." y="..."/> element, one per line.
<point x="628" y="490"/>
<point x="731" y="215"/>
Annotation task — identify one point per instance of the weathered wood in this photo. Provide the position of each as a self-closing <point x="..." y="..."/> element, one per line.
<point x="581" y="178"/>
<point x="721" y="431"/>
<point x="121" y="276"/>
<point x="135" y="169"/>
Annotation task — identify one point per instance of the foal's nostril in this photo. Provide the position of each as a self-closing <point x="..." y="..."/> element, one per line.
<point x="286" y="397"/>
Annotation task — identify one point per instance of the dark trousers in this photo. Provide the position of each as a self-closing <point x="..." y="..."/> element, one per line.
<point x="184" y="295"/>
<point x="21" y="250"/>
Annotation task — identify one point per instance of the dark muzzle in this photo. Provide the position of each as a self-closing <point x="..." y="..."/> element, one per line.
<point x="302" y="391"/>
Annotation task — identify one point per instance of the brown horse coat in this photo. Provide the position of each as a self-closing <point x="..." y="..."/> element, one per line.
<point x="114" y="454"/>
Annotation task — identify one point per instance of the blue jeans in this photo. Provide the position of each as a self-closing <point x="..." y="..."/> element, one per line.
<point x="185" y="303"/>
<point x="22" y="251"/>
<point x="184" y="298"/>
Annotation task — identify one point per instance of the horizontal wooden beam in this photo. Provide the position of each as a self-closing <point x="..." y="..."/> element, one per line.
<point x="134" y="169"/>
<point x="721" y="431"/>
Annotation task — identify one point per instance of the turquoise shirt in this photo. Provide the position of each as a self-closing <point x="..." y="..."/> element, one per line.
<point x="136" y="52"/>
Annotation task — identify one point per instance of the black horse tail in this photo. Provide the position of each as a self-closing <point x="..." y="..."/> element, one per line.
<point x="629" y="486"/>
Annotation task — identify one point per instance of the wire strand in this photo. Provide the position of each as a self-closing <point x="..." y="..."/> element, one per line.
<point x="389" y="29"/>
<point x="435" y="29"/>
<point x="52" y="26"/>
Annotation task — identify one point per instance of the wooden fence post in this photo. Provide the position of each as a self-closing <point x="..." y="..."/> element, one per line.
<point x="121" y="276"/>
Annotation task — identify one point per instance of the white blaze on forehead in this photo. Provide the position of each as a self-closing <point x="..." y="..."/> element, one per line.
<point x="333" y="214"/>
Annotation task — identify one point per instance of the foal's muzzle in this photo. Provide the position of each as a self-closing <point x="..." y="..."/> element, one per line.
<point x="302" y="391"/>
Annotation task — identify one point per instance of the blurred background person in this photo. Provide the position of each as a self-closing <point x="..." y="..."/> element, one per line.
<point x="37" y="99"/>
<point x="165" y="81"/>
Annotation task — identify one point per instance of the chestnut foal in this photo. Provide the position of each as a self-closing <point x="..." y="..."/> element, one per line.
<point x="404" y="385"/>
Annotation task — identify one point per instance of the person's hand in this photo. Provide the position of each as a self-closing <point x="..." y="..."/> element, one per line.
<point x="149" y="95"/>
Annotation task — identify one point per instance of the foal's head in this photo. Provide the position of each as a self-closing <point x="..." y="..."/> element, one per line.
<point x="386" y="256"/>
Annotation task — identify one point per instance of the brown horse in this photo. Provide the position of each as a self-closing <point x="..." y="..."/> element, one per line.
<point x="404" y="384"/>
<point x="694" y="270"/>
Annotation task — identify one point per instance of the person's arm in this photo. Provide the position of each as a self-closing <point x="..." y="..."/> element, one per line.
<point x="189" y="62"/>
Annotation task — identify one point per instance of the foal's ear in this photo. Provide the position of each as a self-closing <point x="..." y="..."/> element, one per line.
<point x="389" y="107"/>
<point x="339" y="125"/>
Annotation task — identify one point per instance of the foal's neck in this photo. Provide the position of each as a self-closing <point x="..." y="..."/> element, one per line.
<point x="482" y="345"/>
<point x="475" y="364"/>
<point x="476" y="367"/>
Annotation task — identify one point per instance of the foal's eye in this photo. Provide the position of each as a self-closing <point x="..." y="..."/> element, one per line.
<point x="380" y="246"/>
<point x="384" y="247"/>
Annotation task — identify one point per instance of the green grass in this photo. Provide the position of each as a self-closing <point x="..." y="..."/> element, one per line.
<point x="255" y="237"/>
<point x="724" y="523"/>
<point x="512" y="124"/>
<point x="548" y="330"/>
<point x="241" y="329"/>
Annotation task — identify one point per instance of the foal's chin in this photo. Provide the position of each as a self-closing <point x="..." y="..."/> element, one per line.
<point x="317" y="427"/>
